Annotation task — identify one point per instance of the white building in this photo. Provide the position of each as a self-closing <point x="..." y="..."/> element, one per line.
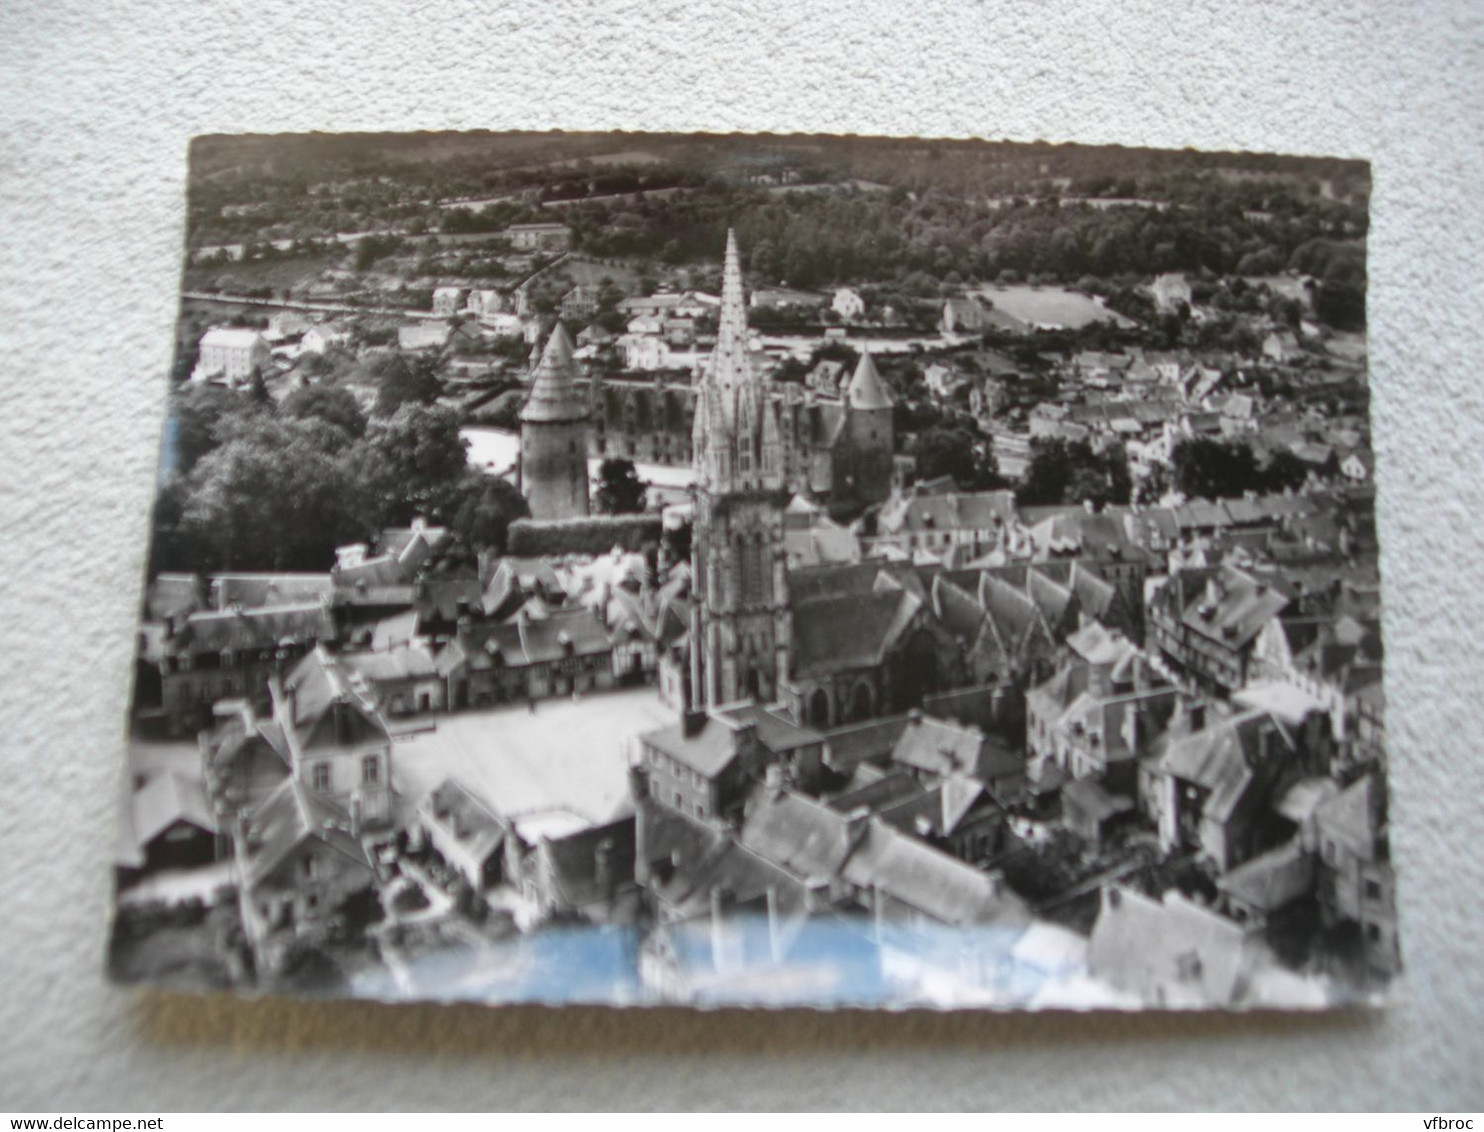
<point x="230" y="354"/>
<point x="848" y="303"/>
<point x="484" y="302"/>
<point x="447" y="300"/>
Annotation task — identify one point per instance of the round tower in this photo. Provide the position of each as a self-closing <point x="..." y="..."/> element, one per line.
<point x="553" y="435"/>
<point x="868" y="406"/>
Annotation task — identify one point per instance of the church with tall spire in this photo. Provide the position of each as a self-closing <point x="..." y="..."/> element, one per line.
<point x="740" y="618"/>
<point x="827" y="644"/>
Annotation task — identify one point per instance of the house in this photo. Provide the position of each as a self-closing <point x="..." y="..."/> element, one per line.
<point x="964" y="315"/>
<point x="402" y="679"/>
<point x="284" y="325"/>
<point x="447" y="301"/>
<point x="244" y="759"/>
<point x="1282" y="346"/>
<point x="920" y="519"/>
<point x="503" y="324"/>
<point x="593" y="335"/>
<point x="1210" y="790"/>
<point x="298" y="864"/>
<point x="187" y="664"/>
<point x="1171" y="952"/>
<point x="937" y="749"/>
<point x="580" y="303"/>
<point x="1170" y="291"/>
<point x="544" y="237"/>
<point x="532" y="655"/>
<point x="322" y="337"/>
<point x="569" y="867"/>
<point x="784" y="298"/>
<point x="338" y="743"/>
<point x="705" y="765"/>
<point x="172" y="823"/>
<point x="1206" y="622"/>
<point x="484" y="302"/>
<point x="1099" y="712"/>
<point x="231" y="354"/>
<point x="1356" y="881"/>
<point x="1358" y="466"/>
<point x="943" y="380"/>
<point x="467" y="834"/>
<point x="848" y="304"/>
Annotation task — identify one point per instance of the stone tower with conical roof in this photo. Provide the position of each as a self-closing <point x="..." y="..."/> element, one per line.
<point x="740" y="627"/>
<point x="553" y="435"/>
<point x="864" y="470"/>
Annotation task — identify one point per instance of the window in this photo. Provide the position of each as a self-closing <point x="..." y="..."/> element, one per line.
<point x="319" y="777"/>
<point x="679" y="800"/>
<point x="1373" y="933"/>
<point x="371" y="770"/>
<point x="1373" y="890"/>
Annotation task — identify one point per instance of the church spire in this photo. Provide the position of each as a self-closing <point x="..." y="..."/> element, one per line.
<point x="731" y="364"/>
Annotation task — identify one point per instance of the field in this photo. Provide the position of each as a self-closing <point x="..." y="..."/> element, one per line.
<point x="1050" y="307"/>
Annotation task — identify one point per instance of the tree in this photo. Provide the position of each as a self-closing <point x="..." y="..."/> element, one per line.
<point x="483" y="508"/>
<point x="950" y="450"/>
<point x="620" y="490"/>
<point x="332" y="404"/>
<point x="411" y="464"/>
<point x="1070" y="471"/>
<point x="1213" y="469"/>
<point x="272" y="498"/>
<point x="1284" y="472"/>
<point x="203" y="416"/>
<point x="406" y="381"/>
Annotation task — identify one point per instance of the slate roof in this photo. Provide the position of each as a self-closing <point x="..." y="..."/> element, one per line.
<point x="254" y="590"/>
<point x="1234" y="607"/>
<point x="1170" y="949"/>
<point x="1272" y="880"/>
<point x="1223" y="758"/>
<point x="856" y="743"/>
<point x="253" y="629"/>
<point x="166" y="799"/>
<point x="936" y="884"/>
<point x="477" y="829"/>
<point x="286" y="819"/>
<point x="556" y="395"/>
<point x="799" y="834"/>
<point x="867" y="391"/>
<point x="850" y="631"/>
<point x="1354" y="817"/>
<point x="708" y="751"/>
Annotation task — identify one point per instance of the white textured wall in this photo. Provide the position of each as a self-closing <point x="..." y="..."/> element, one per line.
<point x="97" y="103"/>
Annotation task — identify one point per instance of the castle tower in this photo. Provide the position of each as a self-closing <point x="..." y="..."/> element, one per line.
<point x="869" y="417"/>
<point x="740" y="627"/>
<point x="553" y="435"/>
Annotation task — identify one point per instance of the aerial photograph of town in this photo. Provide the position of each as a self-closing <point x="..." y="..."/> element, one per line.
<point x="759" y="570"/>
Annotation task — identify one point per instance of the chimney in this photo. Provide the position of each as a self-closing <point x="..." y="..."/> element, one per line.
<point x="692" y="721"/>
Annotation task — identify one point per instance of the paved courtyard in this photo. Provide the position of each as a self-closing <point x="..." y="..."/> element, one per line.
<point x="565" y="754"/>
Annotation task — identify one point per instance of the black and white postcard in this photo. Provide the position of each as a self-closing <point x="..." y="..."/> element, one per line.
<point x="763" y="571"/>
